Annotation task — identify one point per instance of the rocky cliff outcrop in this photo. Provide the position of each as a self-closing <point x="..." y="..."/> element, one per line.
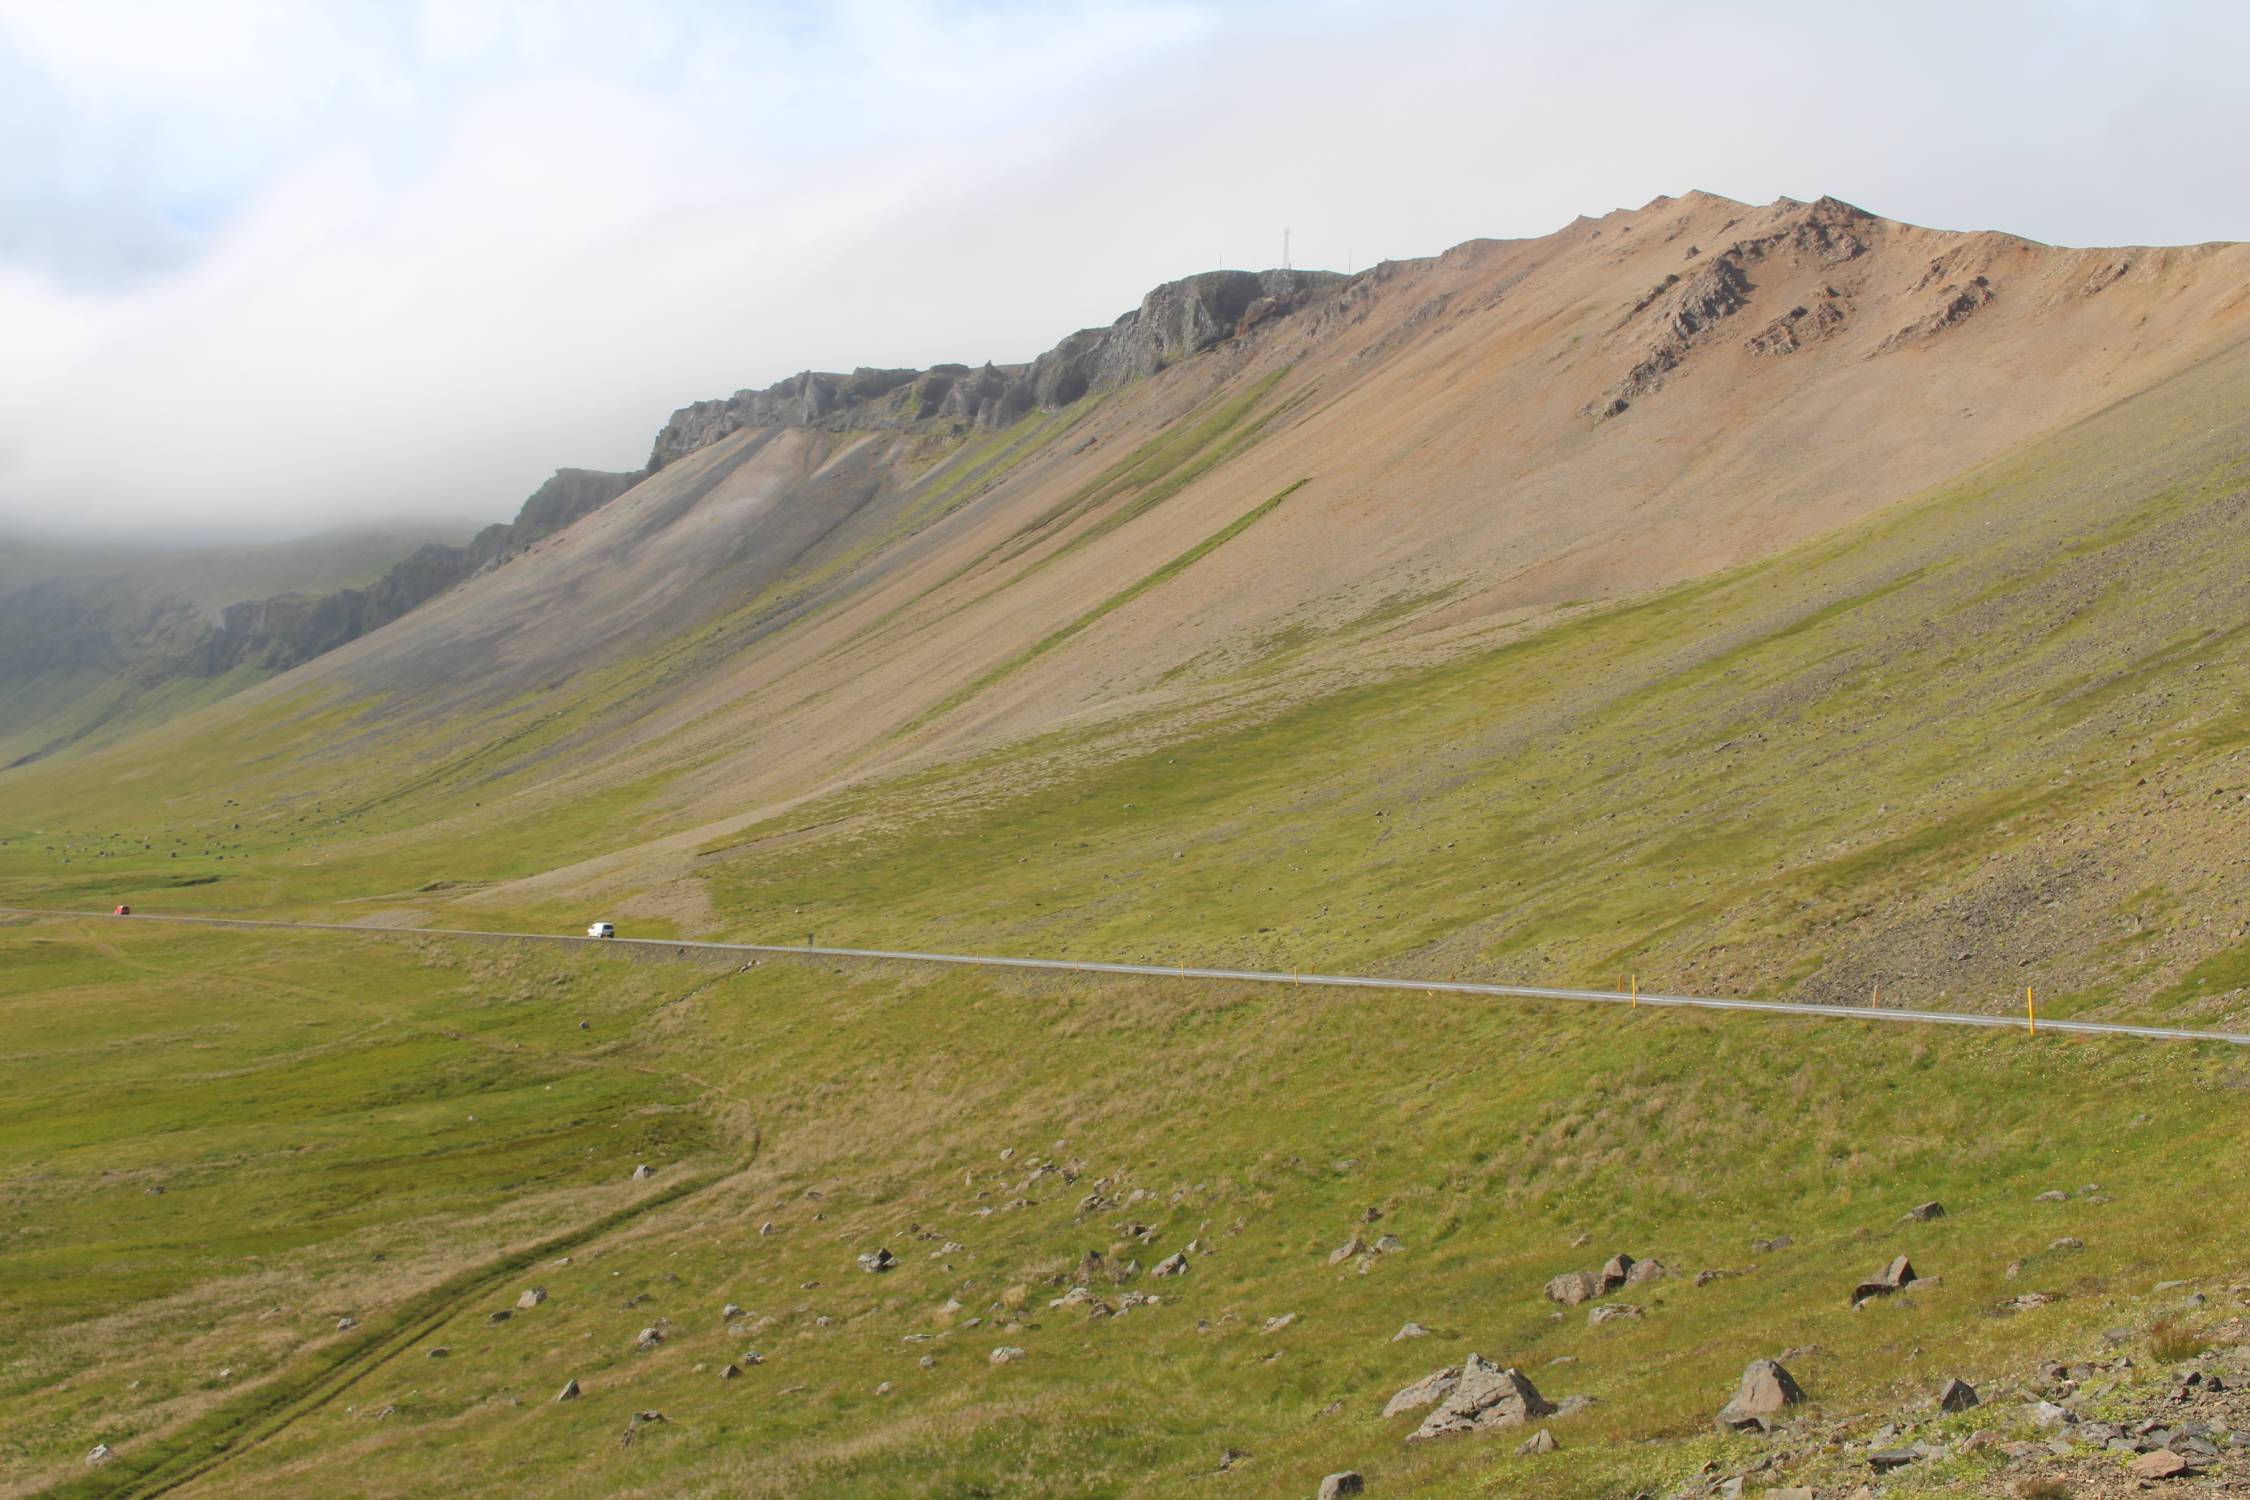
<point x="1177" y="319"/>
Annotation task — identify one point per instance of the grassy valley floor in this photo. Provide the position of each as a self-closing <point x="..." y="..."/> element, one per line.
<point x="412" y="1133"/>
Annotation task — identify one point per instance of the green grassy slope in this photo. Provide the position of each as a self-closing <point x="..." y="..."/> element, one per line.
<point x="1987" y="740"/>
<point x="1932" y="754"/>
<point x="440" y="1105"/>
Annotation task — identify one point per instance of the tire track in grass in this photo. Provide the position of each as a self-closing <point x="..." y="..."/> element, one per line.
<point x="267" y="1410"/>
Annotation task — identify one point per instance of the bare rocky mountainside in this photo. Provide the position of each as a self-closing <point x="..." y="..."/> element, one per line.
<point x="860" y="568"/>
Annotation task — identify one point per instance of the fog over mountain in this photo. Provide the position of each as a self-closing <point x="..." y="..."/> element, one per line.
<point x="266" y="270"/>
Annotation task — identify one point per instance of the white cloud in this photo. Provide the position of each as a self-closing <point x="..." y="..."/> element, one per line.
<point x="396" y="261"/>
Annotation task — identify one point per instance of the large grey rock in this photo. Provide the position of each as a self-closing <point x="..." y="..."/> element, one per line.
<point x="1175" y="1264"/>
<point x="1346" y="1251"/>
<point x="1766" y="1391"/>
<point x="1337" y="1486"/>
<point x="1958" y="1395"/>
<point x="1485" y="1398"/>
<point x="532" y="1297"/>
<point x="877" y="1261"/>
<point x="1574" y="1287"/>
<point x="1429" y="1390"/>
<point x="1614" y="1273"/>
<point x="569" y="1391"/>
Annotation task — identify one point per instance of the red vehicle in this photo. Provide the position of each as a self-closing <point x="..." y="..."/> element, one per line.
<point x="123" y="911"/>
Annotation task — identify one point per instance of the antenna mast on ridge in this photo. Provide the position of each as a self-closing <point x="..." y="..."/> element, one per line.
<point x="1285" y="249"/>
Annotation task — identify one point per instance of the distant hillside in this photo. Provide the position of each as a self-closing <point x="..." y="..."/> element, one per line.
<point x="96" y="638"/>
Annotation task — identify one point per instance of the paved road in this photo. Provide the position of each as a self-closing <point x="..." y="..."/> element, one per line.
<point x="1247" y="976"/>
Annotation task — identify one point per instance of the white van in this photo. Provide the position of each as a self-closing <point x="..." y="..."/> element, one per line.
<point x="601" y="929"/>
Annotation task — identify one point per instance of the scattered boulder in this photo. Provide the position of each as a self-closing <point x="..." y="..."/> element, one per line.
<point x="730" y="1372"/>
<point x="1614" y="1272"/>
<point x="1337" y="1486"/>
<point x="1766" y="1390"/>
<point x="1539" y="1442"/>
<point x="1958" y="1395"/>
<point x="643" y="1172"/>
<point x="2052" y="1195"/>
<point x="1389" y="1244"/>
<point x="1767" y="1247"/>
<point x="1646" y="1271"/>
<point x="1175" y="1264"/>
<point x="1410" y="1331"/>
<point x="532" y="1297"/>
<point x="346" y="1323"/>
<point x="440" y="1352"/>
<point x="569" y="1391"/>
<point x="1883" y="1460"/>
<point x="1574" y="1287"/>
<point x="2048" y="1414"/>
<point x="1346" y="1251"/>
<point x="730" y="1312"/>
<point x="2067" y="1243"/>
<point x="101" y="1454"/>
<point x="649" y="1338"/>
<point x="1616" y="1312"/>
<point x="877" y="1261"/>
<point x="1006" y="1354"/>
<point x="1922" y="1213"/>
<point x="1895" y="1277"/>
<point x="636" y="1422"/>
<point x="1485" y="1398"/>
<point x="1275" y="1325"/>
<point x="2162" y="1464"/>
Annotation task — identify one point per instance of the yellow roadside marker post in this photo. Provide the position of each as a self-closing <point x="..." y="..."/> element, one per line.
<point x="1636" y="992"/>
<point x="2030" y="1011"/>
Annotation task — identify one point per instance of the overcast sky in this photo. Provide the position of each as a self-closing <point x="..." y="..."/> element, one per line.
<point x="267" y="268"/>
